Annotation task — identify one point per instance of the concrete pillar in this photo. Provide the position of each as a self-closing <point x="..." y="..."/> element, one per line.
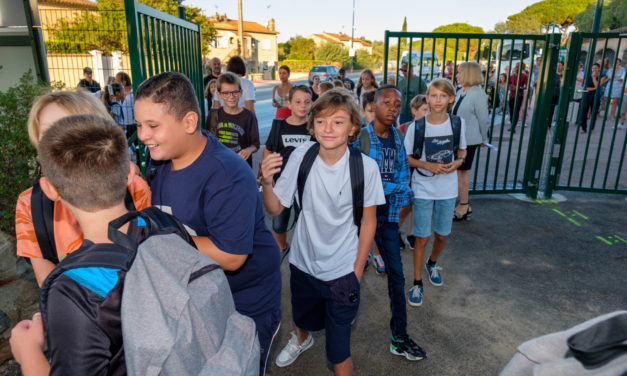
<point x="98" y="67"/>
<point x="117" y="62"/>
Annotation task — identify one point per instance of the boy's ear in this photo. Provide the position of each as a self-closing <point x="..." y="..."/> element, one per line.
<point x="190" y="121"/>
<point x="48" y="189"/>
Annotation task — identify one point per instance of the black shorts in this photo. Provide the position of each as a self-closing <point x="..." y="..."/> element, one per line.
<point x="470" y="155"/>
<point x="330" y="305"/>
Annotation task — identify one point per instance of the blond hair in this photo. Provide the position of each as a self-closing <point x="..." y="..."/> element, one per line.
<point x="444" y="85"/>
<point x="471" y="73"/>
<point x="74" y="102"/>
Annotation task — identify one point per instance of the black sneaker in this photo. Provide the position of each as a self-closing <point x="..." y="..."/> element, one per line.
<point x="410" y="241"/>
<point x="403" y="345"/>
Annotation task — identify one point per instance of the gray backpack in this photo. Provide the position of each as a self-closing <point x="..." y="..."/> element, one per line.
<point x="177" y="311"/>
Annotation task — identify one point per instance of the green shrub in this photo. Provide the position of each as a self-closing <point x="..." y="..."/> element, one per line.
<point x="301" y="65"/>
<point x="18" y="164"/>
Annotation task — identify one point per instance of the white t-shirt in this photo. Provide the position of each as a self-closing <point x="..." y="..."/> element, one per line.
<point x="438" y="146"/>
<point x="248" y="93"/>
<point x="325" y="239"/>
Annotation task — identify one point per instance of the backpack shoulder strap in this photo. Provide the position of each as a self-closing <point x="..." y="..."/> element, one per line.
<point x="456" y="124"/>
<point x="275" y="135"/>
<point x="42" y="211"/>
<point x="364" y="141"/>
<point x="419" y="137"/>
<point x="128" y="200"/>
<point x="303" y="170"/>
<point x="356" y="168"/>
<point x="399" y="133"/>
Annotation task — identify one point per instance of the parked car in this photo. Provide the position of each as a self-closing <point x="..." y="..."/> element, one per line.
<point x="325" y="72"/>
<point x="427" y="59"/>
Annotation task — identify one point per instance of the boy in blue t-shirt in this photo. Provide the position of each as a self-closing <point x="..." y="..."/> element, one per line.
<point x="386" y="147"/>
<point x="213" y="192"/>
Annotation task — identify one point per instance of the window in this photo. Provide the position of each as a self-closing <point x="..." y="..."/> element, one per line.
<point x="265" y="44"/>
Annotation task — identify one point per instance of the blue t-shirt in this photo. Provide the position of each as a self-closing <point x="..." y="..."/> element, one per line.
<point x="216" y="196"/>
<point x="388" y="162"/>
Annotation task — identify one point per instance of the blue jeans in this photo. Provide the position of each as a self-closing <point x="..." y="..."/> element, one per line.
<point x="387" y="240"/>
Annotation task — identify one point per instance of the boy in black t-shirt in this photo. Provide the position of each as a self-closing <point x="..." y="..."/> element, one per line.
<point x="285" y="136"/>
<point x="234" y="126"/>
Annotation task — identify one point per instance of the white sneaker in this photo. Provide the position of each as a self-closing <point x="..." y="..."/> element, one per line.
<point x="292" y="350"/>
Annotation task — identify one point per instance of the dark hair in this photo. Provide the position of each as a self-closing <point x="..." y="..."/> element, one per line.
<point x="597" y="64"/>
<point x="172" y="89"/>
<point x="124" y="78"/>
<point x="380" y="90"/>
<point x="228" y="78"/>
<point x="342" y="70"/>
<point x="336" y="99"/>
<point x="116" y="87"/>
<point x="367" y="98"/>
<point x="286" y="68"/>
<point x="85" y="158"/>
<point x="236" y="65"/>
<point x="295" y="88"/>
<point x="208" y="93"/>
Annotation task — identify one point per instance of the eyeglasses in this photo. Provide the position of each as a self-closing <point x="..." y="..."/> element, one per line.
<point x="230" y="93"/>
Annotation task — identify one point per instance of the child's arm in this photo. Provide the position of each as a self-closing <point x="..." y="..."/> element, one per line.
<point x="271" y="165"/>
<point x="253" y="139"/>
<point x="227" y="261"/>
<point x="366" y="236"/>
<point x="41" y="268"/>
<point x="274" y="102"/>
<point x="27" y="342"/>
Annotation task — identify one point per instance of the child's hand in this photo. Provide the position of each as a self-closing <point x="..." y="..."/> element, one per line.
<point x="438" y="168"/>
<point x="244" y="154"/>
<point x="270" y="165"/>
<point x="27" y="338"/>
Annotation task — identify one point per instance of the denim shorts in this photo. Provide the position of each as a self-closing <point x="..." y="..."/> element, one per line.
<point x="329" y="305"/>
<point x="442" y="212"/>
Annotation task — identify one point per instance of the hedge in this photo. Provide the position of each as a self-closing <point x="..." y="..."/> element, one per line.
<point x="306" y="65"/>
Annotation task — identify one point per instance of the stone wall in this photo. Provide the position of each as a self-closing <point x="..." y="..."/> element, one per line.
<point x="18" y="292"/>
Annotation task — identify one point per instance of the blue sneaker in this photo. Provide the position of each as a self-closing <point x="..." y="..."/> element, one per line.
<point x="434" y="274"/>
<point x="415" y="296"/>
<point x="379" y="265"/>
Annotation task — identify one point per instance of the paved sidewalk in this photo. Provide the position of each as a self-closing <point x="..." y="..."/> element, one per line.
<point x="518" y="270"/>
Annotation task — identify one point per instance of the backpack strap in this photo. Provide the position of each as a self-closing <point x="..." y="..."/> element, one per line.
<point x="419" y="137"/>
<point x="128" y="201"/>
<point x="399" y="133"/>
<point x="42" y="211"/>
<point x="364" y="141"/>
<point x="356" y="167"/>
<point x="456" y="124"/>
<point x="303" y="170"/>
<point x="275" y="135"/>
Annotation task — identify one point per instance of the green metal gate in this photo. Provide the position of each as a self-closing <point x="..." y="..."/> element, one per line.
<point x="592" y="161"/>
<point x="516" y="165"/>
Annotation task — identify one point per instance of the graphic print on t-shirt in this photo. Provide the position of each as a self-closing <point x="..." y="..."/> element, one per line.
<point x="229" y="134"/>
<point x="294" y="140"/>
<point x="388" y="157"/>
<point x="439" y="149"/>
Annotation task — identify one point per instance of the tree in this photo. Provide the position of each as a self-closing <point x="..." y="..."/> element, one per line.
<point x="283" y="50"/>
<point x="301" y="48"/>
<point x="500" y="28"/>
<point x="330" y="52"/>
<point x="539" y="17"/>
<point x="614" y="16"/>
<point x="465" y="49"/>
<point x="404" y="30"/>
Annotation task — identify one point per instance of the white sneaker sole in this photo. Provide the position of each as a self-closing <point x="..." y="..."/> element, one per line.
<point x="302" y="350"/>
<point x="406" y="355"/>
<point x="429" y="278"/>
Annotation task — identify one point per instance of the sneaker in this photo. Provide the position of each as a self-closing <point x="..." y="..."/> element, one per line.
<point x="401" y="241"/>
<point x="434" y="274"/>
<point x="292" y="350"/>
<point x="410" y="240"/>
<point x="620" y="126"/>
<point x="403" y="345"/>
<point x="415" y="296"/>
<point x="379" y="265"/>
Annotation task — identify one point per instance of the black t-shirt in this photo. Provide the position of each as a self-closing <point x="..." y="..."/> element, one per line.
<point x="93" y="87"/>
<point x="239" y="131"/>
<point x="289" y="137"/>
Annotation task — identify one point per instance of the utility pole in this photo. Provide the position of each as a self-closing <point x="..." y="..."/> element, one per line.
<point x="353" y="37"/>
<point x="596" y="24"/>
<point x="240" y="30"/>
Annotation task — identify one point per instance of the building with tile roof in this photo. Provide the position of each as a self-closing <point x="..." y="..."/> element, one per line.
<point x="340" y="38"/>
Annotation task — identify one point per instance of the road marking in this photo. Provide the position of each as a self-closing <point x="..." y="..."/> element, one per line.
<point x="603" y="240"/>
<point x="567" y="217"/>
<point x="581" y="215"/>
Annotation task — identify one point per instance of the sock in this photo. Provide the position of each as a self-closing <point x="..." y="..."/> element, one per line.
<point x="430" y="262"/>
<point x="417" y="282"/>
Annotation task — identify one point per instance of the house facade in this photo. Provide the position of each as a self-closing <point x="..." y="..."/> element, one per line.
<point x="340" y="38"/>
<point x="260" y="42"/>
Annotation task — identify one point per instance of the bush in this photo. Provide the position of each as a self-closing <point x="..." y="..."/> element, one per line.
<point x="333" y="52"/>
<point x="301" y="65"/>
<point x="18" y="164"/>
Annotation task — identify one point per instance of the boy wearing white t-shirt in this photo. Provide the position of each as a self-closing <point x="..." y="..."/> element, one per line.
<point x="328" y="250"/>
<point x="434" y="181"/>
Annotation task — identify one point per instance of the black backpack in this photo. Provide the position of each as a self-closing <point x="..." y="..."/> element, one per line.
<point x="419" y="135"/>
<point x="356" y="168"/>
<point x="42" y="211"/>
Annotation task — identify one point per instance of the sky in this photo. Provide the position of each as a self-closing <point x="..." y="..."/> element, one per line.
<point x="372" y="18"/>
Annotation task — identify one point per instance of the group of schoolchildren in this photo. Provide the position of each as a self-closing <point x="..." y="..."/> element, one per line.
<point x="346" y="185"/>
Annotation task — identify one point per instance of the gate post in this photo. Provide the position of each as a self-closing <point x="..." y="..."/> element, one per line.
<point x="561" y="128"/>
<point x="540" y="121"/>
<point x="136" y="59"/>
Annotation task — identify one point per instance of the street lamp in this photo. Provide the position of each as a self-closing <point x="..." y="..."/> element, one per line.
<point x="353" y="38"/>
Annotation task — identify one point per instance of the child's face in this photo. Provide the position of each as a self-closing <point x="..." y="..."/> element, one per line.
<point x="332" y="128"/>
<point x="438" y="100"/>
<point x="369" y="112"/>
<point x="119" y="95"/>
<point x="388" y="106"/>
<point x="212" y="87"/>
<point x="230" y="94"/>
<point x="300" y="104"/>
<point x="366" y="80"/>
<point x="160" y="131"/>
<point x="48" y="115"/>
<point x="421" y="111"/>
